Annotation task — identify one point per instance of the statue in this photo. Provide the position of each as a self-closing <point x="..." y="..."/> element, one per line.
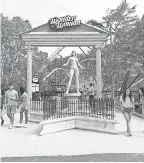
<point x="74" y="65"/>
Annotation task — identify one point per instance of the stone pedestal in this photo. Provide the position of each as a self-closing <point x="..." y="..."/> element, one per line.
<point x="72" y="101"/>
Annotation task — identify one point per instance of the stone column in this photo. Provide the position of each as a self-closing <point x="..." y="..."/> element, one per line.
<point x="29" y="71"/>
<point x="98" y="73"/>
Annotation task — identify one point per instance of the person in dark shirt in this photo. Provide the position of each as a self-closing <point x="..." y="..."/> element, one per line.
<point x="91" y="94"/>
<point x="2" y="103"/>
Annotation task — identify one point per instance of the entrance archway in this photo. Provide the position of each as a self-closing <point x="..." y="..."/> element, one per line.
<point x="78" y="35"/>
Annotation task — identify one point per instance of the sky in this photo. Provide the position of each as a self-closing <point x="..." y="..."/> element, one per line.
<point x="38" y="12"/>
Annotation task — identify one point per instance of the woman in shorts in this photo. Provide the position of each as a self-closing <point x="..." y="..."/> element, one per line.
<point x="127" y="105"/>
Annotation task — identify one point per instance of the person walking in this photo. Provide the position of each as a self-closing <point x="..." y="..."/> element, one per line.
<point x="2" y="106"/>
<point x="58" y="101"/>
<point x="127" y="106"/>
<point x="141" y="98"/>
<point x="25" y="106"/>
<point x="91" y="94"/>
<point x="85" y="93"/>
<point x="11" y="105"/>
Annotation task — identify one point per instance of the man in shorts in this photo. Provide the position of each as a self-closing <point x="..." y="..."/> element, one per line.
<point x="11" y="104"/>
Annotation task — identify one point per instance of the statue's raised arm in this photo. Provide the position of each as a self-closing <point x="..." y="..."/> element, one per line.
<point x="66" y="63"/>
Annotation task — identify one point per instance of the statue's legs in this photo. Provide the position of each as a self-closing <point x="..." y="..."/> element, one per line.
<point x="77" y="79"/>
<point x="70" y="80"/>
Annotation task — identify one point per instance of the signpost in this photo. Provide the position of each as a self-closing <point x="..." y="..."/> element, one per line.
<point x="35" y="85"/>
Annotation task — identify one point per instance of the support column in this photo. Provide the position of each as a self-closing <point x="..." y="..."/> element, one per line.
<point x="98" y="73"/>
<point x="29" y="71"/>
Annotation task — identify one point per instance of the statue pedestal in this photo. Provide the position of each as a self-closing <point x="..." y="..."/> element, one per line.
<point x="72" y="101"/>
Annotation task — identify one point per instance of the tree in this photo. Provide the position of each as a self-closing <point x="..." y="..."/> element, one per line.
<point x="13" y="50"/>
<point x="120" y="22"/>
<point x="125" y="40"/>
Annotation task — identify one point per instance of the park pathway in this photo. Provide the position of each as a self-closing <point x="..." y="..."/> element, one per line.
<point x="26" y="142"/>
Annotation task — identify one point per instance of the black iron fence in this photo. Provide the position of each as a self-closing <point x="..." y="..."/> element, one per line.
<point x="63" y="107"/>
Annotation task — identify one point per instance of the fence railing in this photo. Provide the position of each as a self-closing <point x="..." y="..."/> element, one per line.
<point x="139" y="109"/>
<point x="59" y="108"/>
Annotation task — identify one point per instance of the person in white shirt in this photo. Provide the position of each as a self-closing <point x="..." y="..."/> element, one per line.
<point x="11" y="105"/>
<point x="127" y="105"/>
<point x="25" y="106"/>
<point x="58" y="102"/>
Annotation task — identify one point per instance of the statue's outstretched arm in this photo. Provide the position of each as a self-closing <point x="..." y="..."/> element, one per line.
<point x="67" y="62"/>
<point x="79" y="65"/>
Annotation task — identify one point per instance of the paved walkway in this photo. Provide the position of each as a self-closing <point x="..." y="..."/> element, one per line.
<point x="106" y="157"/>
<point x="20" y="142"/>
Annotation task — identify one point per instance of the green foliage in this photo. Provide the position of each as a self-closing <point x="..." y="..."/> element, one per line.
<point x="126" y="42"/>
<point x="13" y="51"/>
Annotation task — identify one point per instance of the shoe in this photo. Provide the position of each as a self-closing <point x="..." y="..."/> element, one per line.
<point x="20" y="125"/>
<point x="128" y="134"/>
<point x="2" y="122"/>
<point x="25" y="126"/>
<point x="10" y="126"/>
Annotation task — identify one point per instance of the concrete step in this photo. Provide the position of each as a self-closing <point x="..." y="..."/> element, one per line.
<point x="85" y="123"/>
<point x="34" y="120"/>
<point x="35" y="117"/>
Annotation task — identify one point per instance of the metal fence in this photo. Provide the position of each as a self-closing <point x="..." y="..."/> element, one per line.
<point x="59" y="108"/>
